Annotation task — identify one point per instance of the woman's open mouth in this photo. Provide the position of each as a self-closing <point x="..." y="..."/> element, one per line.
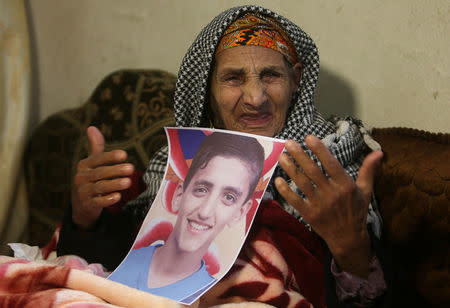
<point x="257" y="119"/>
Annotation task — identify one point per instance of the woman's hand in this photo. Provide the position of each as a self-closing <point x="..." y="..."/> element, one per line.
<point x="98" y="180"/>
<point x="336" y="207"/>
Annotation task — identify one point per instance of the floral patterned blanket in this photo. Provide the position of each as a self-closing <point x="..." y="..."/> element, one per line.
<point x="280" y="265"/>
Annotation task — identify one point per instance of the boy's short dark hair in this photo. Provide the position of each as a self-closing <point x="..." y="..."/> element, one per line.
<point x="247" y="149"/>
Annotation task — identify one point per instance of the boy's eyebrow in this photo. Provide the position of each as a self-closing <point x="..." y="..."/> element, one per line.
<point x="236" y="190"/>
<point x="204" y="183"/>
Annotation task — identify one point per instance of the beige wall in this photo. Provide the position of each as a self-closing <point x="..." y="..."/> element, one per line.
<point x="385" y="62"/>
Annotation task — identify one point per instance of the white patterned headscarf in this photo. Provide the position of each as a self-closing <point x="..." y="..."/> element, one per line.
<point x="345" y="138"/>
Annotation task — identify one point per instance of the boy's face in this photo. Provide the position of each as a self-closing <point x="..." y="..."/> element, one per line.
<point x="215" y="197"/>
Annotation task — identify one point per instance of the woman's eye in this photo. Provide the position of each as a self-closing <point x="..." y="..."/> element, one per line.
<point x="232" y="79"/>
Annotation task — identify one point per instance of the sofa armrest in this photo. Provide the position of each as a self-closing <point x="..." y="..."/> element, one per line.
<point x="413" y="190"/>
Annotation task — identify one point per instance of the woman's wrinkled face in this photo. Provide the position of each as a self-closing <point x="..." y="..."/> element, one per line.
<point x="251" y="90"/>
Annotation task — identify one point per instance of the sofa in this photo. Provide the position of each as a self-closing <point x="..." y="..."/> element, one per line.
<point x="131" y="108"/>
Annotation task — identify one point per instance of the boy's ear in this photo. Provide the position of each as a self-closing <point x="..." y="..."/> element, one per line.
<point x="176" y="199"/>
<point x="242" y="212"/>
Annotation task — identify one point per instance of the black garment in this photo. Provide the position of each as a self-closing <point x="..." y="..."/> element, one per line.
<point x="107" y="243"/>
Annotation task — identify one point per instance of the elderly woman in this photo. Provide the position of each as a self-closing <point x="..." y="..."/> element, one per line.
<point x="253" y="71"/>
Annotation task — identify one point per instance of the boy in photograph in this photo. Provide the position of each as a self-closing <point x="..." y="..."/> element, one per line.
<point x="217" y="192"/>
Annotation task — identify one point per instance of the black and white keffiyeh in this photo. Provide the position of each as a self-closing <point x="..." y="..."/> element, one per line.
<point x="346" y="138"/>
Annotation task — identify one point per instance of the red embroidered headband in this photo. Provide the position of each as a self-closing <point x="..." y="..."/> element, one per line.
<point x="258" y="31"/>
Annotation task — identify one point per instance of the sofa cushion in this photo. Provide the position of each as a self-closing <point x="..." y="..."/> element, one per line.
<point x="130" y="107"/>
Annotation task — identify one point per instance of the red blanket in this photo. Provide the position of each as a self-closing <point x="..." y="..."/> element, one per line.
<point x="279" y="265"/>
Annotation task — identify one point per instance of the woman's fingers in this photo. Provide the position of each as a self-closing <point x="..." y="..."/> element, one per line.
<point x="290" y="196"/>
<point x="329" y="163"/>
<point x="300" y="179"/>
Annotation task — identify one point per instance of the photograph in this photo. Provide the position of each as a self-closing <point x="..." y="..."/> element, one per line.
<point x="201" y="216"/>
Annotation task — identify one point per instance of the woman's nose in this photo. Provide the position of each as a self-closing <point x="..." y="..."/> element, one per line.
<point x="254" y="92"/>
